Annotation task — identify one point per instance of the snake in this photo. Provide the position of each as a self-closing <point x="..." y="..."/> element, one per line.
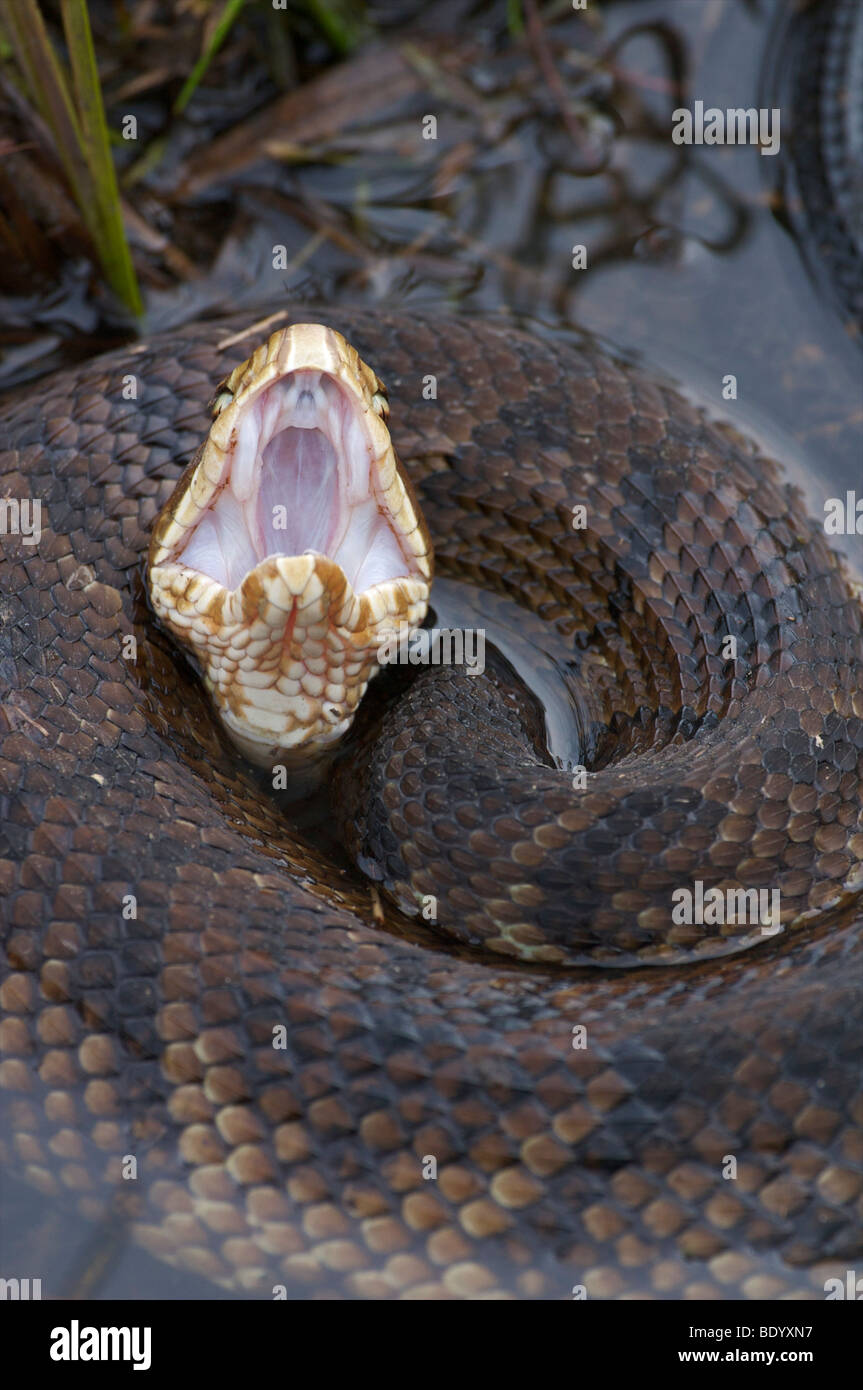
<point x="818" y="57"/>
<point x="288" y="1073"/>
<point x="444" y="1038"/>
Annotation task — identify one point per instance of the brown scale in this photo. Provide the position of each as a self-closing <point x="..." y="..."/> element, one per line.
<point x="555" y="1167"/>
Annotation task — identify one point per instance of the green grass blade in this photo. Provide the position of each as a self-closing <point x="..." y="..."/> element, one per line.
<point x="75" y="117"/>
<point x="50" y="92"/>
<point x="107" y="223"/>
<point x="514" y="18"/>
<point x="339" y="28"/>
<point x="229" y="14"/>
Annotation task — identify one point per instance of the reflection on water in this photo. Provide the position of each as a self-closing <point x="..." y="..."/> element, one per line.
<point x="535" y="650"/>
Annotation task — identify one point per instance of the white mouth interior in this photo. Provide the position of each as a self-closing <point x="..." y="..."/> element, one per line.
<point x="300" y="479"/>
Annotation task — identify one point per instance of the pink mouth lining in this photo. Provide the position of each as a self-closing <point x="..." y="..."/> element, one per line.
<point x="299" y="479"/>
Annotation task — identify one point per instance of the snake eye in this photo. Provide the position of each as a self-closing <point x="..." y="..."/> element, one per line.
<point x="223" y="399"/>
<point x="381" y="405"/>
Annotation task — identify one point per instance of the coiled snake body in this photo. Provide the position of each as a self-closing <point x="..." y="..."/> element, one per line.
<point x="435" y="1122"/>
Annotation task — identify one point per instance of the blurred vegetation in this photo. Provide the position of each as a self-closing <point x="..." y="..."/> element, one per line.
<point x="49" y="59"/>
<point x="68" y="97"/>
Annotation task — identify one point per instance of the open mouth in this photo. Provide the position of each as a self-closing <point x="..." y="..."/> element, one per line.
<point x="301" y="479"/>
<point x="292" y="546"/>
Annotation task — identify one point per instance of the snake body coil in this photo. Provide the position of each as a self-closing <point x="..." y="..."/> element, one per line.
<point x="429" y="1122"/>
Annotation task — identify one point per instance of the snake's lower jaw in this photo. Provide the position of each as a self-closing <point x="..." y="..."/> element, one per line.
<point x="292" y="547"/>
<point x="288" y="654"/>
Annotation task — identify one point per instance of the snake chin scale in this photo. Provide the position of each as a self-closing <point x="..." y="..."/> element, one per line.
<point x="166" y="919"/>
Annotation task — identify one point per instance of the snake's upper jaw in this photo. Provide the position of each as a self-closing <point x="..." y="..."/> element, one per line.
<point x="292" y="546"/>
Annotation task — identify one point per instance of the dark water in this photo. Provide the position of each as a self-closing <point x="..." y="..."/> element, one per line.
<point x="692" y="266"/>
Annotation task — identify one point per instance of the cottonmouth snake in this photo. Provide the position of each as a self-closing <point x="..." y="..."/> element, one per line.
<point x="597" y="1159"/>
<point x="817" y="55"/>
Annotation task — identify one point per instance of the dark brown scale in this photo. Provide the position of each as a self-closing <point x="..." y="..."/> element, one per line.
<point x="599" y="1167"/>
<point x="691" y="538"/>
<point x="818" y="60"/>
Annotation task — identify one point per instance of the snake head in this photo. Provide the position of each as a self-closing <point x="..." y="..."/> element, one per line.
<point x="292" y="546"/>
